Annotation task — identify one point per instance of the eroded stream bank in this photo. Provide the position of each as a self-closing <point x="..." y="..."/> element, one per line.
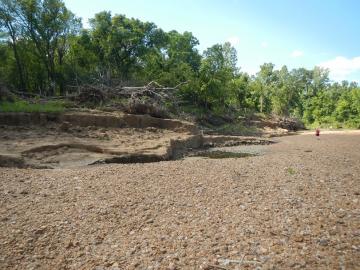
<point x="80" y="139"/>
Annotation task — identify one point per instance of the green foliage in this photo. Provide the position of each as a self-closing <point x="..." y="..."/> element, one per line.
<point x="38" y="33"/>
<point x="290" y="171"/>
<point x="334" y="106"/>
<point x="348" y="108"/>
<point x="24" y="106"/>
<point x="217" y="76"/>
<point x="44" y="50"/>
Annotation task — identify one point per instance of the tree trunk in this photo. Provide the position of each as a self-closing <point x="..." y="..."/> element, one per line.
<point x="51" y="72"/>
<point x="20" y="69"/>
<point x="61" y="78"/>
<point x="17" y="58"/>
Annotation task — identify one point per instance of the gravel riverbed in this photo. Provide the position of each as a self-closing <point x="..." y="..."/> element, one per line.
<point x="296" y="206"/>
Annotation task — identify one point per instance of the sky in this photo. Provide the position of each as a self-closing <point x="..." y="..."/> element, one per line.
<point x="295" y="33"/>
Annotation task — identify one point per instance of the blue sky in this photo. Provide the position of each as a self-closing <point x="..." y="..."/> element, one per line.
<point x="285" y="32"/>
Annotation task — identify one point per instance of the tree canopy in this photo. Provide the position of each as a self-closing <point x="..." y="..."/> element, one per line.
<point x="45" y="50"/>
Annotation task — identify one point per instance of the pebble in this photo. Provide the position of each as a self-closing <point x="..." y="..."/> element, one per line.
<point x="323" y="242"/>
<point x="122" y="203"/>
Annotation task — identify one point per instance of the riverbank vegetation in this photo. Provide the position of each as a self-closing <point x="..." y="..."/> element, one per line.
<point x="44" y="50"/>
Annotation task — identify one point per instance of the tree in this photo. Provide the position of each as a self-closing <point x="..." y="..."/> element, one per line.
<point x="173" y="60"/>
<point x="48" y="24"/>
<point x="10" y="23"/>
<point x="348" y="107"/>
<point x="285" y="97"/>
<point x="320" y="78"/>
<point x="242" y="92"/>
<point x="181" y="48"/>
<point x="263" y="85"/>
<point x="123" y="44"/>
<point x="81" y="62"/>
<point x="217" y="74"/>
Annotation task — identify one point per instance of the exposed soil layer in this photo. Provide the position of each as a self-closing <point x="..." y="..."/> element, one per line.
<point x="54" y="147"/>
<point x="79" y="139"/>
<point x="97" y="119"/>
<point x="295" y="207"/>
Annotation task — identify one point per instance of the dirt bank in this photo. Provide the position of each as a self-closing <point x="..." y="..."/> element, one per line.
<point x="45" y="140"/>
<point x="96" y="119"/>
<point x="297" y="206"/>
<point x="79" y="139"/>
<point x="53" y="146"/>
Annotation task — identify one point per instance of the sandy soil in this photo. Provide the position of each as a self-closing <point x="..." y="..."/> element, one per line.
<point x="296" y="206"/>
<point x="78" y="146"/>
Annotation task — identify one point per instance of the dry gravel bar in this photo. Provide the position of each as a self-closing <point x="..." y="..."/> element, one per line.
<point x="294" y="207"/>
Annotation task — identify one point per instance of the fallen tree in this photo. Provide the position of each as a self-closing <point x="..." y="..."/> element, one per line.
<point x="148" y="99"/>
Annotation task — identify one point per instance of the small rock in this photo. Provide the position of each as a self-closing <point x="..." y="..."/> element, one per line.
<point x="262" y="250"/>
<point x="40" y="230"/>
<point x="323" y="242"/>
<point x="298" y="238"/>
<point x="70" y="244"/>
<point x="98" y="240"/>
<point x="172" y="266"/>
<point x="341" y="213"/>
<point x="24" y="192"/>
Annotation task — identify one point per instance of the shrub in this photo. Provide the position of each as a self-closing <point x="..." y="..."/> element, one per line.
<point x="24" y="106"/>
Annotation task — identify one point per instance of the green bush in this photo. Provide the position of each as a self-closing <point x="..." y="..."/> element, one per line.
<point x="24" y="106"/>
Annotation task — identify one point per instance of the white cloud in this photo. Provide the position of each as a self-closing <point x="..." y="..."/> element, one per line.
<point x="264" y="44"/>
<point x="297" y="53"/>
<point x="234" y="40"/>
<point x="341" y="67"/>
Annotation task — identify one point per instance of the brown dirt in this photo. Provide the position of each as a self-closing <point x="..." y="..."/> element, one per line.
<point x="297" y="206"/>
<point x="56" y="146"/>
<point x="97" y="119"/>
<point x="73" y="139"/>
<point x="40" y="140"/>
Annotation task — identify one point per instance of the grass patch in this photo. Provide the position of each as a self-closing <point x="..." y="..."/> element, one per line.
<point x="291" y="171"/>
<point x="24" y="106"/>
<point x="350" y="124"/>
<point x="223" y="154"/>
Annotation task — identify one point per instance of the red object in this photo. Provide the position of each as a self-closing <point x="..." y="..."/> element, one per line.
<point x="317" y="132"/>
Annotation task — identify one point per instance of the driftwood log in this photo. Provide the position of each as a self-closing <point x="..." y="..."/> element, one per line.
<point x="152" y="89"/>
<point x="100" y="92"/>
<point x="153" y="103"/>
